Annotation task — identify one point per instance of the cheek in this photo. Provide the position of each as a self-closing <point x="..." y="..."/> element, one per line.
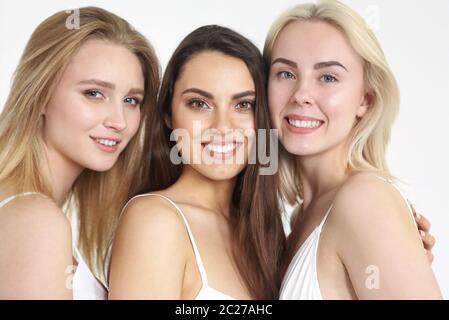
<point x="184" y="121"/>
<point x="69" y="115"/>
<point x="278" y="97"/>
<point x="340" y="107"/>
<point x="244" y="122"/>
<point x="188" y="129"/>
<point x="133" y="120"/>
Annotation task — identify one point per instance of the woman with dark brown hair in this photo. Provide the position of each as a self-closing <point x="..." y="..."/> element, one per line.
<point x="209" y="229"/>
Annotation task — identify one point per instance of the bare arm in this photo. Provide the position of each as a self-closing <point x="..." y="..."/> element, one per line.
<point x="149" y="252"/>
<point x="379" y="244"/>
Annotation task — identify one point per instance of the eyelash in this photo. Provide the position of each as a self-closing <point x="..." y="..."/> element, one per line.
<point x="194" y="103"/>
<point x="331" y="76"/>
<point x="283" y="75"/>
<point x="89" y="93"/>
<point x="289" y="75"/>
<point x="249" y="102"/>
<point x="137" y="101"/>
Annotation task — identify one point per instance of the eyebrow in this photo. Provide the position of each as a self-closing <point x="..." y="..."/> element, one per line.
<point x="97" y="82"/>
<point x="325" y="64"/>
<point x="136" y="91"/>
<point x="110" y="85"/>
<point x="243" y="94"/>
<point x="285" y="61"/>
<point x="210" y="96"/>
<point x="316" y="66"/>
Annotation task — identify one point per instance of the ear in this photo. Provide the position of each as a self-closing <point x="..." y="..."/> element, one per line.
<point x="365" y="103"/>
<point x="167" y="120"/>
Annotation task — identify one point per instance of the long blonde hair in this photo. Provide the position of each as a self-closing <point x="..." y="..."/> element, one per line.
<point x="370" y="135"/>
<point x="98" y="196"/>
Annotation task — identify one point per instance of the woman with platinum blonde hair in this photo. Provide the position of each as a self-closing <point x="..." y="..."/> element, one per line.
<point x="70" y="134"/>
<point x="333" y="99"/>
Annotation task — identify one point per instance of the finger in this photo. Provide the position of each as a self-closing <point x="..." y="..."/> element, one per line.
<point x="423" y="224"/>
<point x="415" y="213"/>
<point x="428" y="241"/>
<point x="429" y="255"/>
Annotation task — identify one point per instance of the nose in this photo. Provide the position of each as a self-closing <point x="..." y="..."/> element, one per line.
<point x="115" y="117"/>
<point x="222" y="120"/>
<point x="302" y="96"/>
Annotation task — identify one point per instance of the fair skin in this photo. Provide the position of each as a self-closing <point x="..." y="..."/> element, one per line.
<point x="152" y="257"/>
<point x="97" y="97"/>
<point x="317" y="76"/>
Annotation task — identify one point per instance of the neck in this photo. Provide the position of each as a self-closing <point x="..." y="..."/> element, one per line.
<point x="323" y="172"/>
<point x="215" y="195"/>
<point x="63" y="174"/>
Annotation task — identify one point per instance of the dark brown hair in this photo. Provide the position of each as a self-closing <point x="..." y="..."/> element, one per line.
<point x="255" y="217"/>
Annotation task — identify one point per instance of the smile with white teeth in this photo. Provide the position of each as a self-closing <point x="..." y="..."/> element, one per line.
<point x="304" y="123"/>
<point x="221" y="148"/>
<point x="106" y="142"/>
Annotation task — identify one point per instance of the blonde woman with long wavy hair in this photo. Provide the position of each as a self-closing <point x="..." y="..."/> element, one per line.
<point x="70" y="138"/>
<point x="333" y="99"/>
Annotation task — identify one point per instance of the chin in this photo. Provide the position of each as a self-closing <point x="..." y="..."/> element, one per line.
<point x="100" y="166"/>
<point x="221" y="172"/>
<point x="300" y="150"/>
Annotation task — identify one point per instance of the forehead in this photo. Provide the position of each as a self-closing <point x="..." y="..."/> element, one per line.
<point x="216" y="72"/>
<point x="99" y="59"/>
<point x="314" y="41"/>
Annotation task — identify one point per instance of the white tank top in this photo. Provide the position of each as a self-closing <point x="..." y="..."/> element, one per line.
<point x="206" y="292"/>
<point x="301" y="279"/>
<point x="84" y="285"/>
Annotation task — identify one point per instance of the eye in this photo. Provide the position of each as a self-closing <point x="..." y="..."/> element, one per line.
<point x="285" y="75"/>
<point x="328" y="78"/>
<point x="198" y="104"/>
<point x="94" y="94"/>
<point x="245" y="105"/>
<point x="132" y="100"/>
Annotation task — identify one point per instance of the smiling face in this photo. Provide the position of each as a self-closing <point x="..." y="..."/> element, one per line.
<point x="316" y="87"/>
<point x="213" y="103"/>
<point x="95" y="108"/>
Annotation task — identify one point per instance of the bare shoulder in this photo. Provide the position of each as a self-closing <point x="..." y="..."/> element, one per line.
<point x="36" y="246"/>
<point x="152" y="211"/>
<point x="365" y="195"/>
<point x="371" y="212"/>
<point x="150" y="247"/>
<point x="35" y="214"/>
<point x="376" y="229"/>
<point x="151" y="219"/>
<point x="367" y="207"/>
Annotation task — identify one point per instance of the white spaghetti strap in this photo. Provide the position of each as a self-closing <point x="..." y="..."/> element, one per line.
<point x="199" y="261"/>
<point x="325" y="216"/>
<point x="9" y="199"/>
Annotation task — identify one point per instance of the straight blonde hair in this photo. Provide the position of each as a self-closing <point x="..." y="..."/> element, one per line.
<point x="369" y="137"/>
<point x="97" y="196"/>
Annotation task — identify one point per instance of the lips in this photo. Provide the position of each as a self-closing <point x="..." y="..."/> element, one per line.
<point x="106" y="144"/>
<point x="221" y="150"/>
<point x="302" y="124"/>
<point x="107" y="141"/>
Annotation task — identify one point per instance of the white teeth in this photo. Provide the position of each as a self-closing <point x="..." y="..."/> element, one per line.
<point x="221" y="148"/>
<point x="304" y="124"/>
<point x="106" y="142"/>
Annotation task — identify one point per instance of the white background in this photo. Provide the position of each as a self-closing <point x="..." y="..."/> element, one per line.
<point x="413" y="34"/>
